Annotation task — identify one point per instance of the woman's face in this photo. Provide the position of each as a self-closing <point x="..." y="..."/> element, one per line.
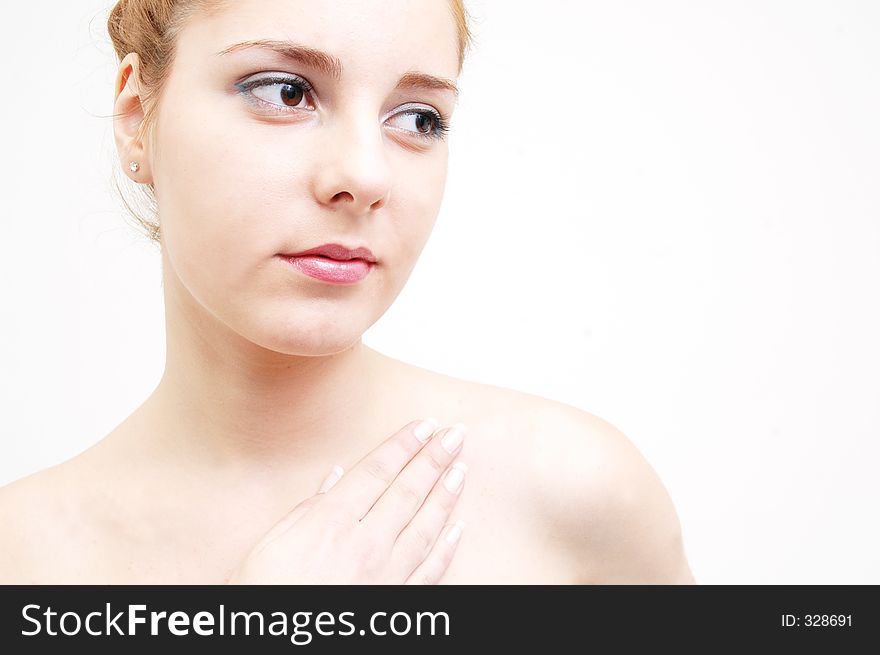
<point x="257" y="154"/>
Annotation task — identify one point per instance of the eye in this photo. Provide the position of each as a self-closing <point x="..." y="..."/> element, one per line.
<point x="437" y="126"/>
<point x="286" y="90"/>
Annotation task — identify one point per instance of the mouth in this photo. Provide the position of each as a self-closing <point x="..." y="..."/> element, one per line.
<point x="330" y="270"/>
<point x="336" y="252"/>
<point x="333" y="263"/>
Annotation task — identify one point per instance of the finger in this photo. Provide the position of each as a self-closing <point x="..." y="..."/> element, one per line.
<point x="417" y="539"/>
<point x="433" y="568"/>
<point x="331" y="479"/>
<point x="355" y="493"/>
<point x="400" y="502"/>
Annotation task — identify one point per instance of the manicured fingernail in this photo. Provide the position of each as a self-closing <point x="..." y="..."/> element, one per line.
<point x="426" y="428"/>
<point x="454" y="533"/>
<point x="453" y="437"/>
<point x="454" y="477"/>
<point x="332" y="478"/>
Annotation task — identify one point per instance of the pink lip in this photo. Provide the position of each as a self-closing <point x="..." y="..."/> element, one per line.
<point x="329" y="270"/>
<point x="336" y="251"/>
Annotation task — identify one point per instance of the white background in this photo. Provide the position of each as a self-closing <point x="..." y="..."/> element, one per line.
<point x="664" y="213"/>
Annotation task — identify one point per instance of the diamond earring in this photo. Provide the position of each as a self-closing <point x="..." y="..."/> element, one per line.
<point x="134" y="167"/>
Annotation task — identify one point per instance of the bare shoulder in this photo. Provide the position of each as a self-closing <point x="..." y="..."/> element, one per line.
<point x="40" y="517"/>
<point x="601" y="497"/>
<point x="569" y="475"/>
<point x="22" y="508"/>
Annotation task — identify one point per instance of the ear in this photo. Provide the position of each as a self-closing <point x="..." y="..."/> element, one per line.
<point x="128" y="115"/>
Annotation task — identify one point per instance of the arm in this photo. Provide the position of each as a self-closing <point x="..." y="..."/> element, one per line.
<point x="604" y="504"/>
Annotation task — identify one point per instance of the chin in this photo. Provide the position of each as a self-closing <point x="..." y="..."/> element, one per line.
<point x="301" y="327"/>
<point x="308" y="342"/>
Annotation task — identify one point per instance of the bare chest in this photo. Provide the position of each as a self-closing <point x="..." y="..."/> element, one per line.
<point x="498" y="546"/>
<point x="184" y="538"/>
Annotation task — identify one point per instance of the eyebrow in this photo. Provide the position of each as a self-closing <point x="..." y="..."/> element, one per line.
<point x="330" y="65"/>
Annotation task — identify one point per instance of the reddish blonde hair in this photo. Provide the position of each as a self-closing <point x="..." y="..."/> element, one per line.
<point x="150" y="28"/>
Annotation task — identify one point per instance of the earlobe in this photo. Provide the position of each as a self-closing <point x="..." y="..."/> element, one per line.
<point x="128" y="117"/>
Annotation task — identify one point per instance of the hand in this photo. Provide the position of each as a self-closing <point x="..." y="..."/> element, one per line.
<point x="378" y="524"/>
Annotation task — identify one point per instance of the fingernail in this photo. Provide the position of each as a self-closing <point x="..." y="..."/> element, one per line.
<point x="453" y="437"/>
<point x="454" y="477"/>
<point x="332" y="478"/>
<point x="454" y="533"/>
<point x="426" y="428"/>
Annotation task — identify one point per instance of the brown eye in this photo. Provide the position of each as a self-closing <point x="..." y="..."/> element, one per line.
<point x="421" y="119"/>
<point x="278" y="92"/>
<point x="427" y="123"/>
<point x="291" y="95"/>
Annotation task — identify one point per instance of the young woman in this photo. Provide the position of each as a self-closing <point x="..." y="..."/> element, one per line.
<point x="296" y="153"/>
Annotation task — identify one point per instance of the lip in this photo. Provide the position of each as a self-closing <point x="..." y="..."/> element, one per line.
<point x="338" y="252"/>
<point x="332" y="271"/>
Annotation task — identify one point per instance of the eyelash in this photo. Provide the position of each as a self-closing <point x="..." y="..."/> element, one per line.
<point x="438" y="133"/>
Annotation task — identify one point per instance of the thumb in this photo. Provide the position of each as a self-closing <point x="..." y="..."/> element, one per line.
<point x="331" y="479"/>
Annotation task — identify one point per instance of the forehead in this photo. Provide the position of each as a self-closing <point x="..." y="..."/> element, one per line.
<point x="372" y="38"/>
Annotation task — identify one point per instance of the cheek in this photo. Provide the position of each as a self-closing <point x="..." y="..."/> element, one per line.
<point x="414" y="217"/>
<point x="219" y="198"/>
<point x="204" y="181"/>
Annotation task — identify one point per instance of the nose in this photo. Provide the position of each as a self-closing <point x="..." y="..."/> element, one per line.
<point x="353" y="174"/>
